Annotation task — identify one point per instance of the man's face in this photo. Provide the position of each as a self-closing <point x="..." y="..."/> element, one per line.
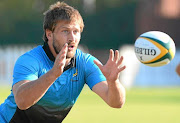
<point x="66" y="32"/>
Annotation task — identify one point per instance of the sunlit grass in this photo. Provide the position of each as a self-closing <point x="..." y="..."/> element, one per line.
<point x="143" y="105"/>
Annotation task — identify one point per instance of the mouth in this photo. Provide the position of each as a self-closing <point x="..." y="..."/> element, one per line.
<point x="71" y="47"/>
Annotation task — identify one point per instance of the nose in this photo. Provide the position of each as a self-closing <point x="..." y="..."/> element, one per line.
<point x="71" y="37"/>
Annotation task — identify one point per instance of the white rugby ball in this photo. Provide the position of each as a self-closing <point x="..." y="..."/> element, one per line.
<point x="154" y="48"/>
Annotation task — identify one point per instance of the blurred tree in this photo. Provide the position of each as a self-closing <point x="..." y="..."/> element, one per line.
<point x="20" y="22"/>
<point x="110" y="24"/>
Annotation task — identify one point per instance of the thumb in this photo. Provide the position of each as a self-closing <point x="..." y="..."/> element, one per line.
<point x="98" y="64"/>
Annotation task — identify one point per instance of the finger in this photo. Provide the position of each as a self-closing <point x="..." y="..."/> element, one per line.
<point x="116" y="58"/>
<point x="122" y="68"/>
<point x="120" y="61"/>
<point x="111" y="55"/>
<point x="98" y="64"/>
<point x="63" y="50"/>
<point x="65" y="47"/>
<point x="62" y="58"/>
<point x="61" y="65"/>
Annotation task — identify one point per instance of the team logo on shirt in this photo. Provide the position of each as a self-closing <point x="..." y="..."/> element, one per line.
<point x="74" y="78"/>
<point x="75" y="73"/>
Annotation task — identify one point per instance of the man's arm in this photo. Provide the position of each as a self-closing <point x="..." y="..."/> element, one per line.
<point x="27" y="93"/>
<point x="111" y="91"/>
<point x="178" y="69"/>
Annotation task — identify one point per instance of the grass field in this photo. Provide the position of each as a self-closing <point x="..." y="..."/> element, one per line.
<point x="143" y="105"/>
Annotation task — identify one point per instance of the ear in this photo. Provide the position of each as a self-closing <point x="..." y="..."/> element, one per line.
<point x="49" y="34"/>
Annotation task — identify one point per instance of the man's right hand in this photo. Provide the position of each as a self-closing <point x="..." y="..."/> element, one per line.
<point x="60" y="61"/>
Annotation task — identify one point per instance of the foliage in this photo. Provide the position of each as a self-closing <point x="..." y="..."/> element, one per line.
<point x="111" y="24"/>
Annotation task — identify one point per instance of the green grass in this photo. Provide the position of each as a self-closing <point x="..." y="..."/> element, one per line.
<point x="4" y="92"/>
<point x="143" y="105"/>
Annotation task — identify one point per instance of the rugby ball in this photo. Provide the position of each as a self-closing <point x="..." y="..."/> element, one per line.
<point x="154" y="48"/>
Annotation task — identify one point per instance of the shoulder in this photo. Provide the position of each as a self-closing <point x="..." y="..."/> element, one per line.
<point x="28" y="66"/>
<point x="30" y="58"/>
<point x="86" y="61"/>
<point x="84" y="57"/>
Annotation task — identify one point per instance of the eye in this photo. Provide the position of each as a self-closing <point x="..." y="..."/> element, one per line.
<point x="65" y="31"/>
<point x="76" y="31"/>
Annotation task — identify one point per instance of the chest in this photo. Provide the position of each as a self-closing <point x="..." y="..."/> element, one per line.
<point x="65" y="90"/>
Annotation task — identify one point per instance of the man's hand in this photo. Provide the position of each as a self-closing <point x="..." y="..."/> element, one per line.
<point x="112" y="68"/>
<point x="111" y="91"/>
<point x="60" y="61"/>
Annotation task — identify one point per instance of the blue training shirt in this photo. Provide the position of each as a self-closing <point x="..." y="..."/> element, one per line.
<point x="62" y="94"/>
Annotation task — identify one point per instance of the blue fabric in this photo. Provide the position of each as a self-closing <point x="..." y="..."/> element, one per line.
<point x="64" y="92"/>
<point x="2" y="119"/>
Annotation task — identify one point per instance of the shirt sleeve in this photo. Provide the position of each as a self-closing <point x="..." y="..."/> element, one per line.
<point x="93" y="73"/>
<point x="26" y="68"/>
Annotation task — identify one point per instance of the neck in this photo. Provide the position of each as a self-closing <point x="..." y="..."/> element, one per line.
<point x="52" y="50"/>
<point x="67" y="61"/>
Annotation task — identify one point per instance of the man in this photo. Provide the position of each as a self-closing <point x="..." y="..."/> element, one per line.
<point x="48" y="79"/>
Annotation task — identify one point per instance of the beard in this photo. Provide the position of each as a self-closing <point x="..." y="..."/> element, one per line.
<point x="58" y="49"/>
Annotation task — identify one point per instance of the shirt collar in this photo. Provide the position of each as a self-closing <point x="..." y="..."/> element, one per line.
<point x="48" y="52"/>
<point x="72" y="63"/>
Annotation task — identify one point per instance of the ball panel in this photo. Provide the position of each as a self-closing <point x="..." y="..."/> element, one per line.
<point x="171" y="52"/>
<point x="163" y="37"/>
<point x="163" y="51"/>
<point x="145" y="50"/>
<point x="158" y="64"/>
<point x="167" y="56"/>
<point x="165" y="45"/>
<point x="172" y="49"/>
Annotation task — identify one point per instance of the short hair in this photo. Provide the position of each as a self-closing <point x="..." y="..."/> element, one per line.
<point x="58" y="12"/>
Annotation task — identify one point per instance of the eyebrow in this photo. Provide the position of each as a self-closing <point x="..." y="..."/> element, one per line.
<point x="64" y="27"/>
